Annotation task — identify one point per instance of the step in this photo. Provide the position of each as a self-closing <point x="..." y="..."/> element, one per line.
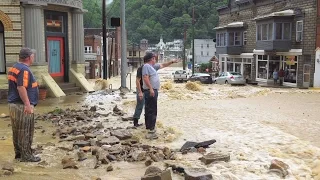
<point x="66" y="85"/>
<point x="71" y="90"/>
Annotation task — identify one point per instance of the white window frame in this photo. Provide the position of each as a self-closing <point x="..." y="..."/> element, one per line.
<point x="221" y="43"/>
<point x="299" y="31"/>
<point x="267" y="32"/>
<point x="201" y="53"/>
<point x="88" y="49"/>
<point x="283" y="31"/>
<point x="201" y="46"/>
<point x="244" y="35"/>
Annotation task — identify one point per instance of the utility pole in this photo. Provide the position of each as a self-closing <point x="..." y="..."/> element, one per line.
<point x="110" y="59"/>
<point x="184" y="47"/>
<point x="193" y="23"/>
<point x="104" y="34"/>
<point x="123" y="45"/>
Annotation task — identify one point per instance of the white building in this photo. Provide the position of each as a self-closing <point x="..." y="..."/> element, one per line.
<point x="204" y="50"/>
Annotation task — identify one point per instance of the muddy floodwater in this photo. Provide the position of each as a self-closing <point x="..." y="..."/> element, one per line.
<point x="254" y="125"/>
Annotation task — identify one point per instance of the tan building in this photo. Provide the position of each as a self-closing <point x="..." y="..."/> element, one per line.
<point x="55" y="30"/>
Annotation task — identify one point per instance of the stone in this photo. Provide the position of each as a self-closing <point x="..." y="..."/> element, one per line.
<point x="8" y="167"/>
<point x="93" y="142"/>
<point x="109" y="168"/>
<point x="139" y="155"/>
<point x="166" y="151"/>
<point x="205" y="144"/>
<point x="279" y="167"/>
<point x="118" y="111"/>
<point x="89" y="136"/>
<point x="93" y="108"/>
<point x="68" y="162"/>
<point x="187" y="145"/>
<point x="191" y="144"/>
<point x="100" y="103"/>
<point x="197" y="174"/>
<point x="154" y="158"/>
<point x="148" y="162"/>
<point x="80" y="118"/>
<point x="79" y="137"/>
<point x="102" y="156"/>
<point x="81" y="143"/>
<point x="122" y="134"/>
<point x="127" y="118"/>
<point x="201" y="150"/>
<point x="111" y="157"/>
<point x="81" y="156"/>
<point x="106" y="147"/>
<point x="212" y="157"/>
<point x="152" y="170"/>
<point x="166" y="175"/>
<point x="99" y="126"/>
<point x="94" y="150"/>
<point x="43" y="163"/>
<point x="4" y="115"/>
<point x="112" y="140"/>
<point x="5" y="173"/>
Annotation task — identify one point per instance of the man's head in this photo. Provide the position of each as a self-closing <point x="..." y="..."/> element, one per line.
<point x="26" y="55"/>
<point x="149" y="58"/>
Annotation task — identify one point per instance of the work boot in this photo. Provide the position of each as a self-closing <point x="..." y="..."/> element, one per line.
<point x="32" y="159"/>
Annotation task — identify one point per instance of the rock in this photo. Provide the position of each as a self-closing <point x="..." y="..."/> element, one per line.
<point x="94" y="150"/>
<point x="148" y="162"/>
<point x="190" y="144"/>
<point x="115" y="150"/>
<point x="100" y="103"/>
<point x="154" y="158"/>
<point x="8" y="167"/>
<point x="152" y="170"/>
<point x="279" y="167"/>
<point x="86" y="148"/>
<point x="166" y="175"/>
<point x="81" y="143"/>
<point x="109" y="168"/>
<point x="167" y="152"/>
<point x="139" y="155"/>
<point x="205" y="144"/>
<point x="173" y="156"/>
<point x="106" y="147"/>
<point x="109" y="141"/>
<point x="66" y="148"/>
<point x="193" y="149"/>
<point x="201" y="150"/>
<point x="197" y="174"/>
<point x="102" y="156"/>
<point x="93" y="142"/>
<point x="89" y="136"/>
<point x="93" y="108"/>
<point x="4" y="115"/>
<point x="5" y="173"/>
<point x="122" y="134"/>
<point x="80" y="118"/>
<point x="118" y="111"/>
<point x="81" y="156"/>
<point x="68" y="162"/>
<point x="97" y="164"/>
<point x="43" y="163"/>
<point x="127" y="118"/>
<point x="99" y="126"/>
<point x="79" y="137"/>
<point x="212" y="157"/>
<point x="111" y="157"/>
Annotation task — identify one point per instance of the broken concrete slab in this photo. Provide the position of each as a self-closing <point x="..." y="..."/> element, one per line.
<point x="197" y="174"/>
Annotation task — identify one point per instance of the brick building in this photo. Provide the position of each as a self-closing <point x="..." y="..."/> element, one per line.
<point x="93" y="56"/>
<point x="55" y="30"/>
<point x="255" y="37"/>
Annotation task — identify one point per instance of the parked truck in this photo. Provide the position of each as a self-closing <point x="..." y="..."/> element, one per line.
<point x="180" y="76"/>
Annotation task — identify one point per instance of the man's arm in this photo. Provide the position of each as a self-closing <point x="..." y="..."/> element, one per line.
<point x="147" y="81"/>
<point x="22" y="84"/>
<point x="23" y="95"/>
<point x="138" y="85"/>
<point x="163" y="65"/>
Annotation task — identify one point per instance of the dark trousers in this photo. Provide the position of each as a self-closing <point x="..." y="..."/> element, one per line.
<point x="151" y="107"/>
<point x="22" y="130"/>
<point x="139" y="107"/>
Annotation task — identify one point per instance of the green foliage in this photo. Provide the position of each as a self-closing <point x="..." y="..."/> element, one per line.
<point x="149" y="19"/>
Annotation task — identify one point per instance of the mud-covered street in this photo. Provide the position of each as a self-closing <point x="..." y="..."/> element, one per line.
<point x="252" y="125"/>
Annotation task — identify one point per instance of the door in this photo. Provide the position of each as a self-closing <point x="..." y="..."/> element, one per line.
<point x="55" y="54"/>
<point x="306" y="75"/>
<point x="237" y="67"/>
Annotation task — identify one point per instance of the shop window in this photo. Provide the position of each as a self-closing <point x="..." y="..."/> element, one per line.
<point x="2" y="50"/>
<point x="221" y="39"/>
<point x="54" y="23"/>
<point x="130" y="53"/>
<point x="134" y="53"/>
<point x="283" y="31"/>
<point x="265" y="32"/>
<point x="299" y="31"/>
<point x="290" y="65"/>
<point x="262" y="69"/>
<point x="245" y="38"/>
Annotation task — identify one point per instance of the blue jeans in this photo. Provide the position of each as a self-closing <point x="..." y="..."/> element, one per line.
<point x="151" y="108"/>
<point x="139" y="107"/>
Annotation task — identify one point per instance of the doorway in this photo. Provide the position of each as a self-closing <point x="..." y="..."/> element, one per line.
<point x="2" y="50"/>
<point x="55" y="54"/>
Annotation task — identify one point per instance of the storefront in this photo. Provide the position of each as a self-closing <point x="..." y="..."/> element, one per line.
<point x="267" y="64"/>
<point x="237" y="63"/>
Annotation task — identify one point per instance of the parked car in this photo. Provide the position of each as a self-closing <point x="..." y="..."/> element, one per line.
<point x="180" y="76"/>
<point x="230" y="78"/>
<point x="202" y="77"/>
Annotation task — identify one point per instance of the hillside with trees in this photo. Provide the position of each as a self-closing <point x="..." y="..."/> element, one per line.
<point x="150" y="19"/>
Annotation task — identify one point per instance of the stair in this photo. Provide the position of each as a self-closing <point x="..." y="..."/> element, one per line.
<point x="68" y="88"/>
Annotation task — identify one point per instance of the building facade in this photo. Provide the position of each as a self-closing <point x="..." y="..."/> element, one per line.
<point x="257" y="37"/>
<point x="93" y="56"/>
<point x="204" y="50"/>
<point x="54" y="29"/>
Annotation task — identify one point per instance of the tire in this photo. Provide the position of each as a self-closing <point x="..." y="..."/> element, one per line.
<point x="226" y="82"/>
<point x="214" y="82"/>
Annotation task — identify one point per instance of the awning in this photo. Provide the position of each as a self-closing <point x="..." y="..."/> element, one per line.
<point x="292" y="52"/>
<point x="285" y="13"/>
<point x="231" y="25"/>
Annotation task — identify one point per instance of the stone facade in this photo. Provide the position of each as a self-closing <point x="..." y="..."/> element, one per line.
<point x="306" y="11"/>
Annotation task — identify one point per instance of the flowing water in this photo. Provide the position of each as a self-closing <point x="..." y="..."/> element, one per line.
<point x="254" y="125"/>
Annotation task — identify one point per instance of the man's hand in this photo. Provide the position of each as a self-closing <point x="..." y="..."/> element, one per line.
<point x="28" y="109"/>
<point x="140" y="96"/>
<point x="151" y="92"/>
<point x="175" y="61"/>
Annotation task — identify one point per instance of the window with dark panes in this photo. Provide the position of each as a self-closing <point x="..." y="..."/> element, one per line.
<point x="54" y="23"/>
